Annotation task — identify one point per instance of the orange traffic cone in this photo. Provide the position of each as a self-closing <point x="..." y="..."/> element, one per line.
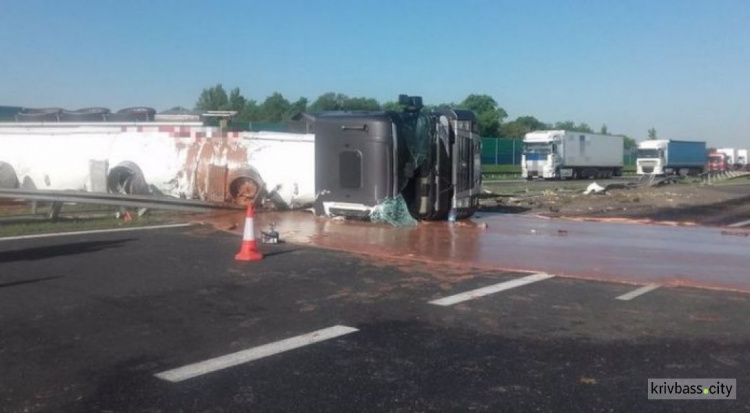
<point x="249" y="250"/>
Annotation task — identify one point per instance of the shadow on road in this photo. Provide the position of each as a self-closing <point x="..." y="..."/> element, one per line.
<point x="31" y="281"/>
<point x="281" y="252"/>
<point x="505" y="209"/>
<point x="40" y="253"/>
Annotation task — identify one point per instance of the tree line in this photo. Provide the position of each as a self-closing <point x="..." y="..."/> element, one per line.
<point x="492" y="118"/>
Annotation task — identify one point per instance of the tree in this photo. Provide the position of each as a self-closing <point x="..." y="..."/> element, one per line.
<point x="567" y="125"/>
<point x="604" y="129"/>
<point x="521" y="126"/>
<point x="572" y="127"/>
<point x="652" y="133"/>
<point x="275" y="108"/>
<point x="299" y="106"/>
<point x="328" y="101"/>
<point x="361" y="104"/>
<point x="213" y="98"/>
<point x="391" y="105"/>
<point x="250" y="112"/>
<point x="629" y="142"/>
<point x="236" y="101"/>
<point x="489" y="114"/>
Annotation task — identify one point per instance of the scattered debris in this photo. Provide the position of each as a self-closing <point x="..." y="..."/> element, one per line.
<point x="587" y="380"/>
<point x="593" y="188"/>
<point x="271" y="236"/>
<point x="393" y="211"/>
<point x="684" y="204"/>
<point x="735" y="233"/>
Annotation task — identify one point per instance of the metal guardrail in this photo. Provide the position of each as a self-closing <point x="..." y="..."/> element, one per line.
<point x="709" y="178"/>
<point x="117" y="200"/>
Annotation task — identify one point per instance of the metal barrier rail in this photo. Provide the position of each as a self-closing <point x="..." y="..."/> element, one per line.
<point x="117" y="200"/>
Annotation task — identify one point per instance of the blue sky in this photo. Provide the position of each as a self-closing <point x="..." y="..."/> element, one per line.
<point x="681" y="66"/>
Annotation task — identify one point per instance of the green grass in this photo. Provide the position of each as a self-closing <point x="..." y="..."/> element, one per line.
<point x="740" y="180"/>
<point x="499" y="172"/>
<point x="501" y="169"/>
<point x="10" y="229"/>
<point x="43" y="208"/>
<point x="16" y="219"/>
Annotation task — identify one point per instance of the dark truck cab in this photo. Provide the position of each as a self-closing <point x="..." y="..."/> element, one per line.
<point x="431" y="159"/>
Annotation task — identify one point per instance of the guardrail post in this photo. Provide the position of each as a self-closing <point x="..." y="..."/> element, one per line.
<point x="54" y="212"/>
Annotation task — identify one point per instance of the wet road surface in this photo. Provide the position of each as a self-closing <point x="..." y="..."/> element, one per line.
<point x="621" y="252"/>
<point x="87" y="322"/>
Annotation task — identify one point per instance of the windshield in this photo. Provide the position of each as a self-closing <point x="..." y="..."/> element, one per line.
<point x="537" y="148"/>
<point x="414" y="135"/>
<point x="648" y="153"/>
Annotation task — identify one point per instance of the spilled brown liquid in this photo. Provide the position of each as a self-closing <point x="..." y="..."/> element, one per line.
<point x="622" y="252"/>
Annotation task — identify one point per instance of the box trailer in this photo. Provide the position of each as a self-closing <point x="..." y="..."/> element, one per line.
<point x="731" y="154"/>
<point x="742" y="159"/>
<point x="671" y="157"/>
<point x="559" y="154"/>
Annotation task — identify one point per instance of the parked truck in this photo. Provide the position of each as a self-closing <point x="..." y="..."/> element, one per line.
<point x="736" y="158"/>
<point x="559" y="154"/>
<point x="718" y="162"/>
<point x="742" y="159"/>
<point x="671" y="157"/>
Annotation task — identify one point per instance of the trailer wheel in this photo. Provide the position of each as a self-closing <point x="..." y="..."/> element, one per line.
<point x="244" y="186"/>
<point x="8" y="177"/>
<point x="127" y="178"/>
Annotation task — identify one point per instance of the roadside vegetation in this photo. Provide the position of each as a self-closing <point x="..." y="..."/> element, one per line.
<point x="17" y="219"/>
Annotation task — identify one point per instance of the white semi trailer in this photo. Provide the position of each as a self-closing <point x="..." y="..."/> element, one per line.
<point x="183" y="160"/>
<point x="742" y="159"/>
<point x="559" y="154"/>
<point x="731" y="154"/>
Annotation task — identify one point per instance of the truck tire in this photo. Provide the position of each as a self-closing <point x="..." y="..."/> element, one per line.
<point x="8" y="177"/>
<point x="127" y="178"/>
<point x="245" y="186"/>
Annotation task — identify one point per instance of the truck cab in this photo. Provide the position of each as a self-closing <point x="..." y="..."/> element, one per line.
<point x="540" y="156"/>
<point x="651" y="158"/>
<point x="430" y="159"/>
<point x="717" y="162"/>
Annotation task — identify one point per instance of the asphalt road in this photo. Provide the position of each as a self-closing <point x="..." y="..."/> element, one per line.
<point x="87" y="322"/>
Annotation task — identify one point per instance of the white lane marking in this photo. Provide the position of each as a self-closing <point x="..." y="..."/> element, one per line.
<point x="94" y="231"/>
<point x="640" y="291"/>
<point x="255" y="353"/>
<point x="740" y="224"/>
<point x="492" y="289"/>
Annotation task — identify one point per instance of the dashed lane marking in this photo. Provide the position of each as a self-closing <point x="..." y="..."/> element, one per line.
<point x="638" y="292"/>
<point x="492" y="289"/>
<point x="255" y="353"/>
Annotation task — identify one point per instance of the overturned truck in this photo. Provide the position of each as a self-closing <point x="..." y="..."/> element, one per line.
<point x="353" y="163"/>
<point x="430" y="160"/>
